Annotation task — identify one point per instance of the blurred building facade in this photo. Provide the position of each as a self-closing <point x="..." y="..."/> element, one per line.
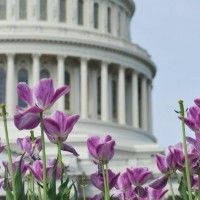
<point x="86" y="44"/>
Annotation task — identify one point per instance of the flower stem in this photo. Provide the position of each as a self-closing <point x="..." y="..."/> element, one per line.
<point x="60" y="160"/>
<point x="182" y="112"/>
<point x="107" y="181"/>
<point x="32" y="187"/>
<point x="43" y="158"/>
<point x="39" y="193"/>
<point x="3" y="108"/>
<point x="171" y="188"/>
<point x="105" y="184"/>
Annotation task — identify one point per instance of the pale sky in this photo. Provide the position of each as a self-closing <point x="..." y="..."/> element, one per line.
<point x="170" y="31"/>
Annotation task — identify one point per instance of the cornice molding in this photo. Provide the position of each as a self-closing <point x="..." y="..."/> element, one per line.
<point x="123" y="51"/>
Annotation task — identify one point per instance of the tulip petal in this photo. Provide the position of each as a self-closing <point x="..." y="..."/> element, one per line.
<point x="60" y="92"/>
<point x="52" y="129"/>
<point x="160" y="183"/>
<point x="44" y="92"/>
<point x="66" y="147"/>
<point x="28" y="119"/>
<point x="106" y="151"/>
<point x="25" y="94"/>
<point x="92" y="144"/>
<point x="161" y="163"/>
<point x="70" y="122"/>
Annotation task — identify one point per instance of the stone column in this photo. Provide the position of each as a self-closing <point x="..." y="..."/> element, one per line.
<point x="135" y="106"/>
<point x="150" y="117"/>
<point x="36" y="68"/>
<point x="30" y="10"/>
<point x="72" y="12"/>
<point x="61" y="80"/>
<point x="86" y="13"/>
<point x="103" y="16"/>
<point x="115" y="22"/>
<point x="121" y="96"/>
<point x="50" y="11"/>
<point x="9" y="10"/>
<point x="10" y="85"/>
<point x="104" y="91"/>
<point x="144" y="103"/>
<point x="84" y="88"/>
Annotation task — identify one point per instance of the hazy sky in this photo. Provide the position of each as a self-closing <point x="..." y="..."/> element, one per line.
<point x="170" y="31"/>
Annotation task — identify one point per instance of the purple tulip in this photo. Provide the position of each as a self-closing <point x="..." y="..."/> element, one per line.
<point x="97" y="180"/>
<point x="156" y="194"/>
<point x="15" y="166"/>
<point x="27" y="145"/>
<point x="38" y="99"/>
<point x="124" y="187"/>
<point x="58" y="127"/>
<point x="101" y="149"/>
<point x="2" y="147"/>
<point x="37" y="170"/>
<point x="193" y="118"/>
<point x="97" y="197"/>
<point x="138" y="176"/>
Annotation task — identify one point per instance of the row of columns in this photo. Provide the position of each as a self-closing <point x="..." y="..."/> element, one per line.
<point x="33" y="14"/>
<point x="145" y="101"/>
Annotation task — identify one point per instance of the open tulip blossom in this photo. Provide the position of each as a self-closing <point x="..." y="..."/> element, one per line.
<point x="38" y="99"/>
<point x="33" y="176"/>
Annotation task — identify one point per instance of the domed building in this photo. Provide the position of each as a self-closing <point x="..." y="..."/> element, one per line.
<point x="87" y="45"/>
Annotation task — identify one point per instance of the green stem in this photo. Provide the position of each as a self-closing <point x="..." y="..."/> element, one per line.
<point x="83" y="189"/>
<point x="107" y="181"/>
<point x="182" y="112"/>
<point x="104" y="183"/>
<point x="171" y="188"/>
<point x="39" y="192"/>
<point x="32" y="186"/>
<point x="60" y="160"/>
<point x="43" y="158"/>
<point x="3" y="108"/>
<point x="199" y="186"/>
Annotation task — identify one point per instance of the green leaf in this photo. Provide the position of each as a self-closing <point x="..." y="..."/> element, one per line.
<point x="19" y="185"/>
<point x="9" y="195"/>
<point x="64" y="191"/>
<point x="183" y="190"/>
<point x="51" y="192"/>
<point x="75" y="196"/>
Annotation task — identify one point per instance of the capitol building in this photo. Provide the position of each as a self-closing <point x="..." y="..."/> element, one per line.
<point x="87" y="45"/>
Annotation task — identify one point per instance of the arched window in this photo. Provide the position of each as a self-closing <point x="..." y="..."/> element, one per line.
<point x="22" y="9"/>
<point x="43" y="10"/>
<point x="114" y="99"/>
<point x="96" y="15"/>
<point x="2" y="85"/>
<point x="67" y="97"/>
<point x="109" y="20"/>
<point x="22" y="77"/>
<point x="80" y="12"/>
<point x="44" y="73"/>
<point x="2" y="9"/>
<point x="62" y="11"/>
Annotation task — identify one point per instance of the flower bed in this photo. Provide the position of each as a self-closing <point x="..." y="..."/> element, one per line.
<point x="32" y="176"/>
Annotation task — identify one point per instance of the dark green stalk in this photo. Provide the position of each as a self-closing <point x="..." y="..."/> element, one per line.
<point x="182" y="113"/>
<point x="107" y="181"/>
<point x="105" y="184"/>
<point x="4" y="113"/>
<point x="43" y="158"/>
<point x="171" y="188"/>
<point x="39" y="193"/>
<point x="60" y="160"/>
